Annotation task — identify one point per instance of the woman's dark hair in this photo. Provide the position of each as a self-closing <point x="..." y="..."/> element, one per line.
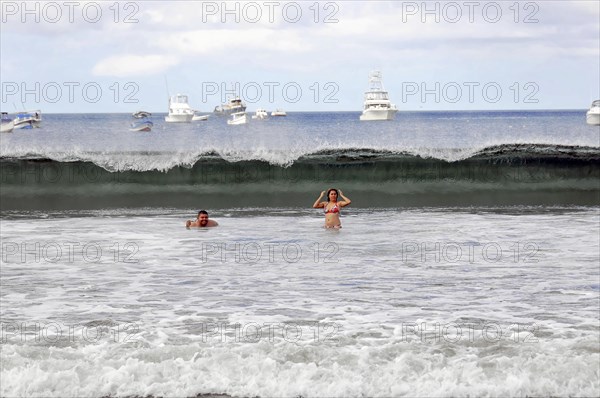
<point x="337" y="194"/>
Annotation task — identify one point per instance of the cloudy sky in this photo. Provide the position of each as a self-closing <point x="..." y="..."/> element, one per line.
<point x="96" y="56"/>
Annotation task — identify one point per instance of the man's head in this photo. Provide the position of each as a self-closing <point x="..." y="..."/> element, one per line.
<point x="202" y="218"/>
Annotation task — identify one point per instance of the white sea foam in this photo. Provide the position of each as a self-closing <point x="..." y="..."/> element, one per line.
<point x="383" y="307"/>
<point x="264" y="369"/>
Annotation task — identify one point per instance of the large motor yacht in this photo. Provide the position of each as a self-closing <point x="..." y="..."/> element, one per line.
<point x="377" y="104"/>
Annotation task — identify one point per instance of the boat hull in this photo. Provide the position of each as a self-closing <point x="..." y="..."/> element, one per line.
<point x="242" y="119"/>
<point x="142" y="129"/>
<point x="593" y="118"/>
<point x="378" y="114"/>
<point x="226" y="111"/>
<point x="23" y="124"/>
<point x="141" y="126"/>
<point x="183" y="118"/>
<point x="260" y="115"/>
<point x="7" y="127"/>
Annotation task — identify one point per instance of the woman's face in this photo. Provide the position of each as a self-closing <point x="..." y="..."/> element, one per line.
<point x="333" y="195"/>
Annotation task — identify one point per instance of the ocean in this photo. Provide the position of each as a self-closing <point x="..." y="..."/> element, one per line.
<point x="466" y="265"/>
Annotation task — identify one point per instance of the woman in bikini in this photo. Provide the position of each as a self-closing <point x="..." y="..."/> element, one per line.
<point x="332" y="207"/>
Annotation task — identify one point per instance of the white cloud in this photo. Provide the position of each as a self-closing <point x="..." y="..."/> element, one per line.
<point x="208" y="42"/>
<point x="134" y="65"/>
<point x="186" y="39"/>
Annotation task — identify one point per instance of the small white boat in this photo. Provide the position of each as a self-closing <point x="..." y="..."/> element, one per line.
<point x="238" y="118"/>
<point x="8" y="124"/>
<point x="179" y="110"/>
<point x="377" y="105"/>
<point x="278" y="112"/>
<point x="141" y="114"/>
<point x="260" y="114"/>
<point x="593" y="114"/>
<point x="27" y="120"/>
<point x="197" y="117"/>
<point x="142" y="123"/>
<point x="234" y="105"/>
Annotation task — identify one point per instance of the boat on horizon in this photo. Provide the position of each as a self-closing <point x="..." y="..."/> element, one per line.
<point x="260" y="114"/>
<point x="198" y="117"/>
<point x="179" y="110"/>
<point x="592" y="116"/>
<point x="377" y="105"/>
<point x="234" y="105"/>
<point x="278" y="112"/>
<point x="238" y="118"/>
<point x="28" y="120"/>
<point x="8" y="123"/>
<point x="144" y="125"/>
<point x="141" y="122"/>
<point x="141" y="114"/>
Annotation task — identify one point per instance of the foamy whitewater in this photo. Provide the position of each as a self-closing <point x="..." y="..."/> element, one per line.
<point x="467" y="264"/>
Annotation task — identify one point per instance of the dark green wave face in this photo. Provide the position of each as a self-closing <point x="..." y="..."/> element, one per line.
<point x="501" y="175"/>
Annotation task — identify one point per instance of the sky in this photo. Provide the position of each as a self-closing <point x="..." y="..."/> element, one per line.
<point x="109" y="56"/>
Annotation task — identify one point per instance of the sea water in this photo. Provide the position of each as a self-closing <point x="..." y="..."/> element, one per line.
<point x="467" y="263"/>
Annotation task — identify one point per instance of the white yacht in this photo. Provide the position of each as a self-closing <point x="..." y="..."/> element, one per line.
<point x="198" y="117"/>
<point x="260" y="114"/>
<point x="377" y="104"/>
<point x="8" y="124"/>
<point x="179" y="110"/>
<point x="278" y="112"/>
<point x="593" y="114"/>
<point x="238" y="118"/>
<point x="234" y="105"/>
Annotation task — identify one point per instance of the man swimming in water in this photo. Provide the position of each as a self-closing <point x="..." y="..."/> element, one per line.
<point x="202" y="221"/>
